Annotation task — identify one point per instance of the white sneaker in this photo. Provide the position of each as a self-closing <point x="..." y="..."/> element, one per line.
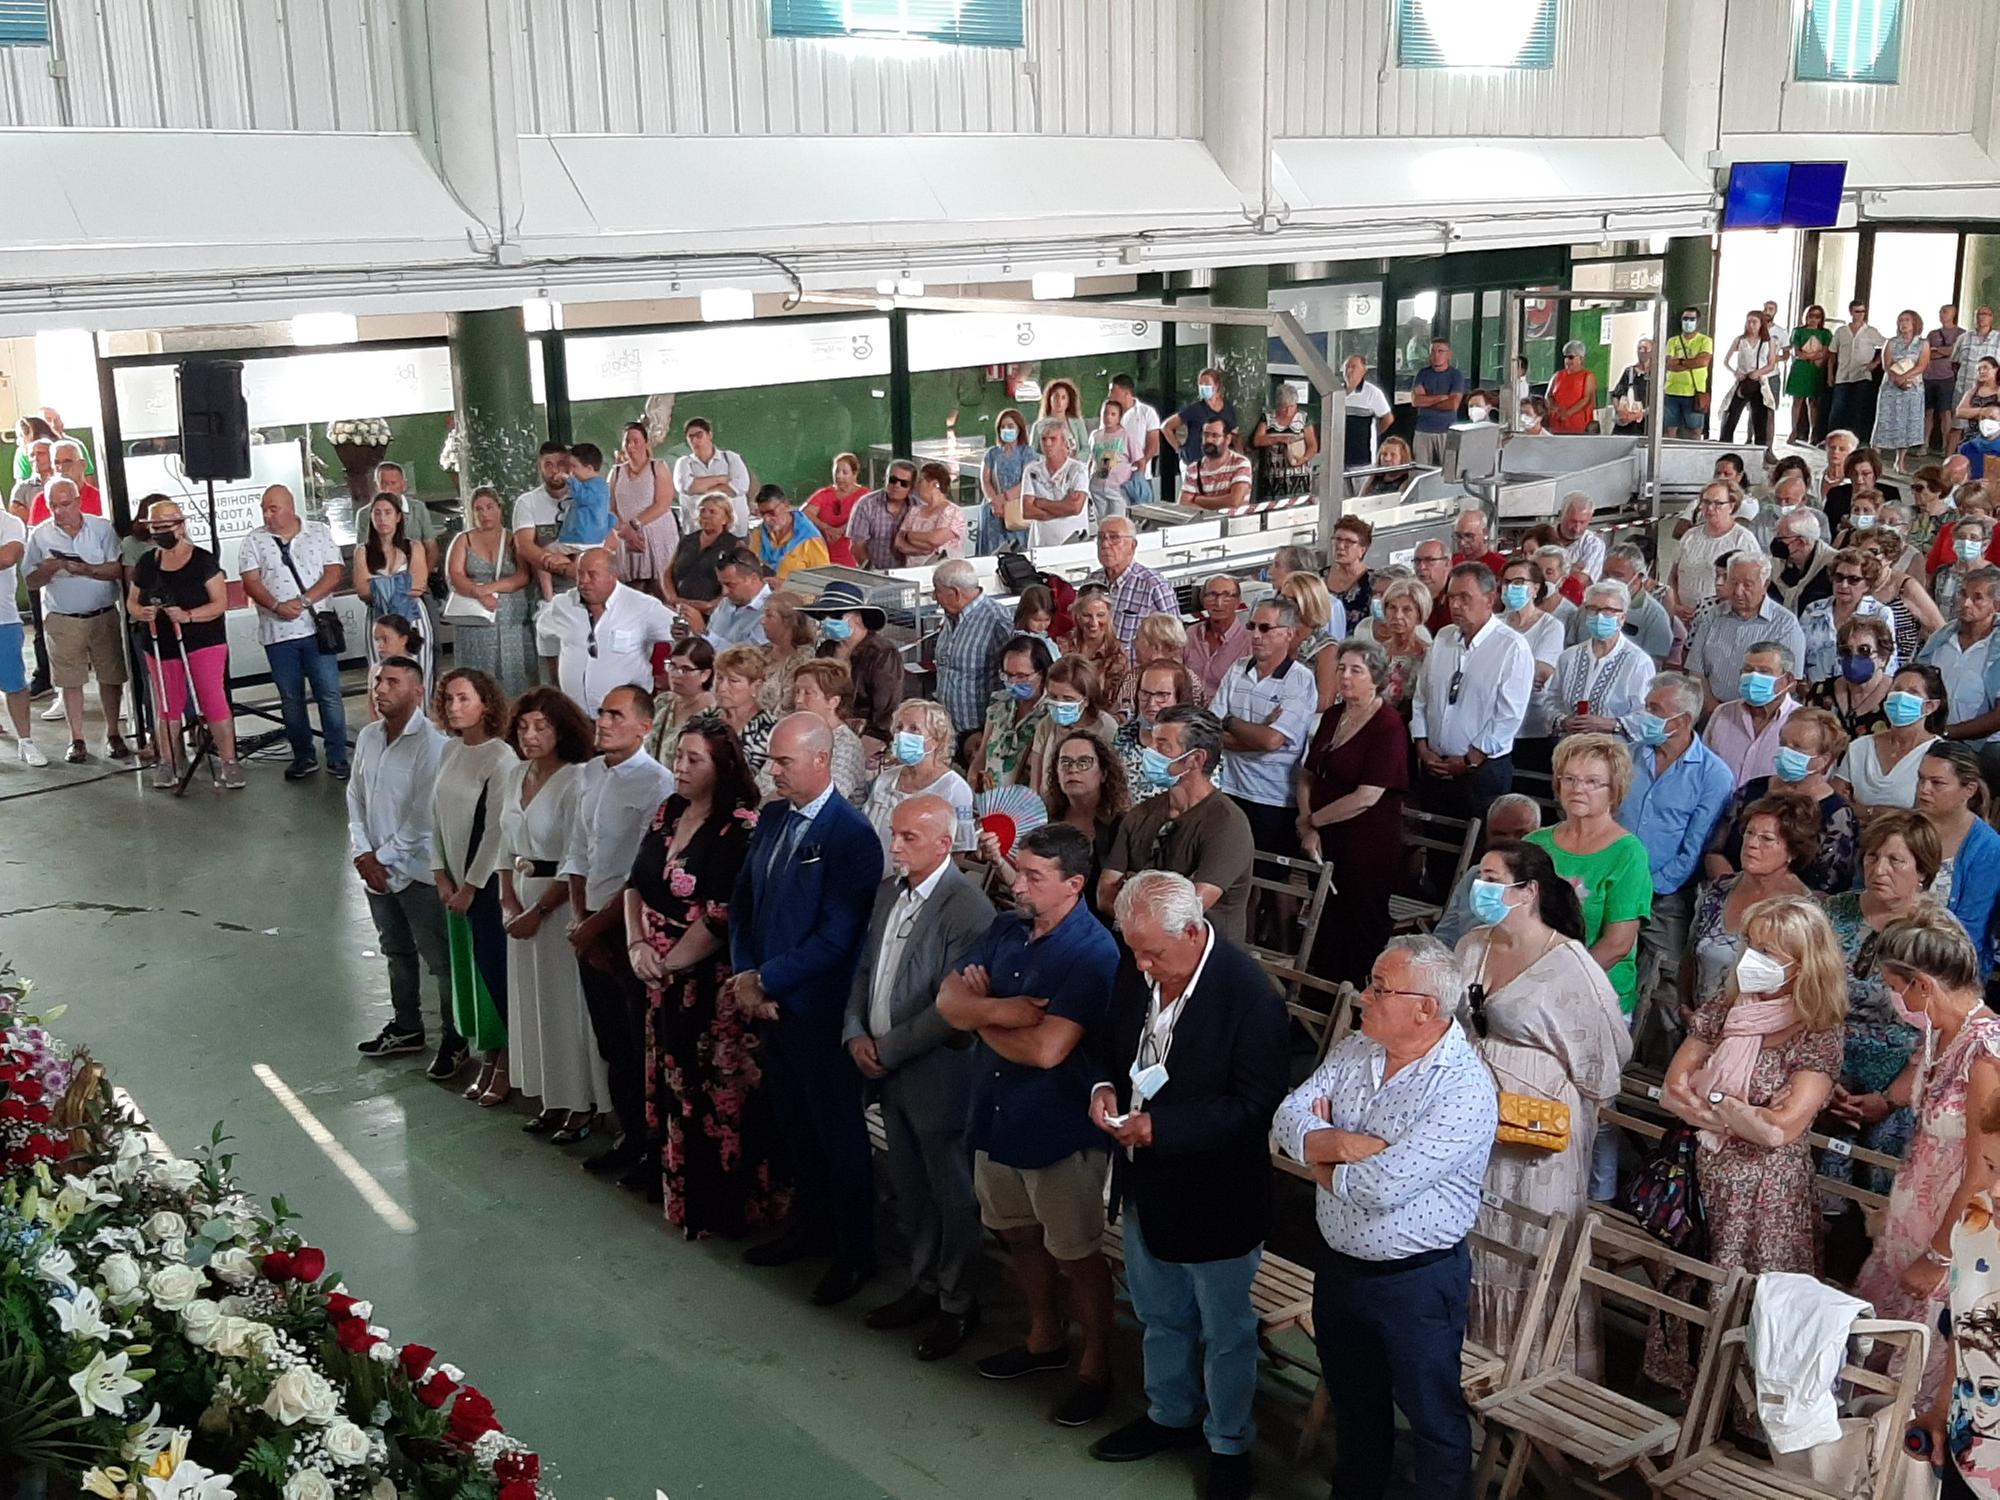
<point x="54" y="711"/>
<point x="31" y="754"/>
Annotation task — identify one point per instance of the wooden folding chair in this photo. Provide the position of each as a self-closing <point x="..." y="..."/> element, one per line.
<point x="1307" y="882"/>
<point x="1436" y="834"/>
<point x="1708" y="1466"/>
<point x="1580" y="1434"/>
<point x="1484" y="1370"/>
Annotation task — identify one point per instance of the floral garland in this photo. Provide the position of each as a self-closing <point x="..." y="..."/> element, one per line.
<point x="162" y="1338"/>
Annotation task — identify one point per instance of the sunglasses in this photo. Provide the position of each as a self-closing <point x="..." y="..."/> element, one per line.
<point x="897" y="484"/>
<point x="1457" y="686"/>
<point x="1261" y="626"/>
<point x="1848" y="578"/>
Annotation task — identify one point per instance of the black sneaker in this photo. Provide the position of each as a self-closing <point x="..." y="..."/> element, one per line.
<point x="299" y="770"/>
<point x="1012" y="1364"/>
<point x="1228" y="1476"/>
<point x="391" y="1042"/>
<point x="339" y="772"/>
<point x="1142" y="1438"/>
<point x="1085" y="1403"/>
<point x="451" y="1056"/>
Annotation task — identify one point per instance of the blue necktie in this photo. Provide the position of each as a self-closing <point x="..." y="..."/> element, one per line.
<point x="786" y="842"/>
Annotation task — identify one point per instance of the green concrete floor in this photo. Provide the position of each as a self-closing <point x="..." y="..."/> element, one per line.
<point x="193" y="941"/>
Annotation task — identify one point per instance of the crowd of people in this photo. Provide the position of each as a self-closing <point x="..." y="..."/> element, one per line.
<point x="693" y="870"/>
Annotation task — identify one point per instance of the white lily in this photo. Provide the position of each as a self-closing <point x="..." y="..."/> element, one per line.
<point x="81" y="1316"/>
<point x="58" y="1268"/>
<point x="102" y="1385"/>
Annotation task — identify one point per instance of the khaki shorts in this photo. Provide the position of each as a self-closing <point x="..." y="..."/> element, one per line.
<point x="79" y="646"/>
<point x="1065" y="1198"/>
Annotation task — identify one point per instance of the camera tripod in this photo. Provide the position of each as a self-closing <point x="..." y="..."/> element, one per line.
<point x="197" y="750"/>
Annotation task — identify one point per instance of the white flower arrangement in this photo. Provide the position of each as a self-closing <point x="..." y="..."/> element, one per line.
<point x="362" y="432"/>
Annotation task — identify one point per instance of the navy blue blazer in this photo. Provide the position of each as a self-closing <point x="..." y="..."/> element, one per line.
<point x="802" y="925"/>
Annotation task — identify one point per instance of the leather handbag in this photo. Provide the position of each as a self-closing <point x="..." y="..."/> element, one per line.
<point x="329" y="633"/>
<point x="1527" y="1120"/>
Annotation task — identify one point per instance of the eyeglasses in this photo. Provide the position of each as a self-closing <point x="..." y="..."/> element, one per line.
<point x="1583" y="783"/>
<point x="1376" y="987"/>
<point x="1861" y="650"/>
<point x="591" y="642"/>
<point x="1261" y="626"/>
<point x="1076" y="763"/>
<point x="1849" y="578"/>
<point x="1020" y="676"/>
<point x="1457" y="686"/>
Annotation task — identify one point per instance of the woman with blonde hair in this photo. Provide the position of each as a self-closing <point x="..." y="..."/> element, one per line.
<point x="1093" y="639"/>
<point x="920" y="746"/>
<point x="793" y="637"/>
<point x="1393" y="456"/>
<point x="1315" y="605"/>
<point x="1161" y="638"/>
<point x="1933" y="974"/>
<point x="740" y="675"/>
<point x="1758" y="1064"/>
<point x="1398" y="628"/>
<point x="1613" y="875"/>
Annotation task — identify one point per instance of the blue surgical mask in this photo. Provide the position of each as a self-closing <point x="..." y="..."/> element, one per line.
<point x="909" y="746"/>
<point x="1689" y="325"/>
<point x="1023" y="691"/>
<point x="1065" y="711"/>
<point x="1863" y="522"/>
<point x="1757" y="688"/>
<point x="1207" y="390"/>
<point x="1791" y="765"/>
<point x="1601" y="626"/>
<point x="1968" y="548"/>
<point x="835" y="629"/>
<point x="1156" y="767"/>
<point x="1377" y="610"/>
<point x="1903" y="709"/>
<point x="1857" y="669"/>
<point x="1516" y="595"/>
<point x="1009" y="433"/>
<point x="1652" y="729"/>
<point x="1489" y="900"/>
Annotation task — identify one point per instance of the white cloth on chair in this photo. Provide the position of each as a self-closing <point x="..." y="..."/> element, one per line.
<point x="1797" y="1338"/>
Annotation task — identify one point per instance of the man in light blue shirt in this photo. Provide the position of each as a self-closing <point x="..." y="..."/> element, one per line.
<point x="738" y="617"/>
<point x="1266" y="705"/>
<point x="1679" y="790"/>
<point x="1397" y="1125"/>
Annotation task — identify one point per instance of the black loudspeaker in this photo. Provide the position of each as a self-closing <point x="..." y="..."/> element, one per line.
<point x="215" y="420"/>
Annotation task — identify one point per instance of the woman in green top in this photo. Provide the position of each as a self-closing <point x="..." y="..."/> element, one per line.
<point x="1608" y="866"/>
<point x="1812" y="346"/>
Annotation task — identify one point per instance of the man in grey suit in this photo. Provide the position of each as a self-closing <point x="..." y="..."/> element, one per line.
<point x="927" y="917"/>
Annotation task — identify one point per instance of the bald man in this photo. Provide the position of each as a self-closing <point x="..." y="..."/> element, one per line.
<point x="1136" y="590"/>
<point x="290" y="568"/>
<point x="796" y="930"/>
<point x="927" y="917"/>
<point x="603" y="634"/>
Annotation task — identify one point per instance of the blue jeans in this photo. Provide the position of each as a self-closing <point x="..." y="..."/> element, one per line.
<point x="1203" y="1305"/>
<point x="1390" y="1339"/>
<point x="1681" y="412"/>
<point x="294" y="665"/>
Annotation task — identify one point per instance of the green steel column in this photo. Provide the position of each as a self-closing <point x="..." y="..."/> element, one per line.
<point x="1243" y="355"/>
<point x="499" y="428"/>
<point x="1690" y="279"/>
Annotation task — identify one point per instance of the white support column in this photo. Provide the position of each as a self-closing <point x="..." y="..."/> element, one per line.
<point x="1691" y="88"/>
<point x="1236" y="95"/>
<point x="461" y="64"/>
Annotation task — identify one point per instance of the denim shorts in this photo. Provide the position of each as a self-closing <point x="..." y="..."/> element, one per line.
<point x="1682" y="412"/>
<point x="13" y="670"/>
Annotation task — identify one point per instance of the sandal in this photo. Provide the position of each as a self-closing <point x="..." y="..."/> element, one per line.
<point x="544" y="1122"/>
<point x="483" y="1081"/>
<point x="576" y="1129"/>
<point x="498" y="1089"/>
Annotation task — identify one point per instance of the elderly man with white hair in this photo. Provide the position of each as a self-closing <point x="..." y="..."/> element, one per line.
<point x="1396" y="1125"/>
<point x="1195" y="1071"/>
<point x="1136" y="590"/>
<point x="1744" y="731"/>
<point x="1805" y="562"/>
<point x="969" y="646"/>
<point x="1582" y="547"/>
<point x="1748" y="615"/>
<point x="1646" y="619"/>
<point x="1790" y="494"/>
<point x="74" y="560"/>
<point x="1599" y="685"/>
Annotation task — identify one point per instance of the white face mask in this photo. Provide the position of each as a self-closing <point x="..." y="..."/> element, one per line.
<point x="1758" y="973"/>
<point x="1526" y="421"/>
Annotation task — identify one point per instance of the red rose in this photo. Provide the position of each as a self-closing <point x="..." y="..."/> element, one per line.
<point x="38" y="1147"/>
<point x="339" y="1306"/>
<point x="13" y="1109"/>
<point x="278" y="1266"/>
<point x="511" y="1467"/>
<point x="61" y="1149"/>
<point x="39" y="1114"/>
<point x="308" y="1264"/>
<point x="354" y="1336"/>
<point x="471" y="1417"/>
<point x="29" y="1089"/>
<point x="437" y="1390"/>
<point x="416" y="1359"/>
<point x="519" y="1489"/>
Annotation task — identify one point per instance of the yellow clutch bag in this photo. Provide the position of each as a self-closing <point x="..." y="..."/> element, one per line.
<point x="1528" y="1121"/>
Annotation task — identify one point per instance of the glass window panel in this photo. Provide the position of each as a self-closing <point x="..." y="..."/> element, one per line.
<point x="1833" y="282"/>
<point x="1850" y="41"/>
<point x="1981" y="286"/>
<point x="1913" y="272"/>
<point x="1416" y="324"/>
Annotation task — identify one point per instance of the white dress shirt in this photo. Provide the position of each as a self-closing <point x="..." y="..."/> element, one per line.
<point x="1495" y="677"/>
<point x="389" y="797"/>
<point x="96" y="541"/>
<point x="733" y="624"/>
<point x="625" y="634"/>
<point x="1438" y="1115"/>
<point x="614" y="808"/>
<point x="902" y="919"/>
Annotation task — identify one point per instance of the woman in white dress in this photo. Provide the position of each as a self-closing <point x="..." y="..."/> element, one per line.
<point x="642" y="508"/>
<point x="1547" y="1022"/>
<point x="554" y="1051"/>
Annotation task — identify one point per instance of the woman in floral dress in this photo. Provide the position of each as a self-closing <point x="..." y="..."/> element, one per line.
<point x="1931" y="971"/>
<point x="1769" y="1045"/>
<point x="704" y="1076"/>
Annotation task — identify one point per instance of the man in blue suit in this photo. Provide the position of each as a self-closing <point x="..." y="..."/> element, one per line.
<point x="797" y="927"/>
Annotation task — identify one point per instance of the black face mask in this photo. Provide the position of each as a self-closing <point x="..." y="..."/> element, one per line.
<point x="1213" y="450"/>
<point x="1779" y="550"/>
<point x="165" y="536"/>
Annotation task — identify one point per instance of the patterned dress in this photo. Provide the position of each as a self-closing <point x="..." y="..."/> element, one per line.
<point x="1762" y="1213"/>
<point x="704" y="1075"/>
<point x="1878" y="1046"/>
<point x="1899" y="413"/>
<point x="1924" y="1188"/>
<point x="1972" y="1434"/>
<point x="1833" y="865"/>
<point x="504" y="650"/>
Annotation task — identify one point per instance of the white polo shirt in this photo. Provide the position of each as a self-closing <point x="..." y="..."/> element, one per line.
<point x="1265" y="776"/>
<point x="12" y="529"/>
<point x="313" y="550"/>
<point x="1038" y="482"/>
<point x="96" y="541"/>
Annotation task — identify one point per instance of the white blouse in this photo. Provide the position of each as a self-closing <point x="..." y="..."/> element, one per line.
<point x="465" y="772"/>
